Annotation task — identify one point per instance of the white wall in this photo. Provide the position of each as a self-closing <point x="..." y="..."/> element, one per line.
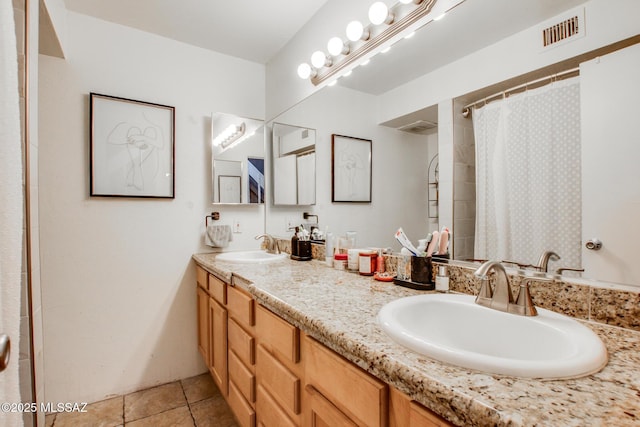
<point x="400" y="162"/>
<point x="119" y="301"/>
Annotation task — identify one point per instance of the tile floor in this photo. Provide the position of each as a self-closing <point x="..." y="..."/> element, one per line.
<point x="195" y="402"/>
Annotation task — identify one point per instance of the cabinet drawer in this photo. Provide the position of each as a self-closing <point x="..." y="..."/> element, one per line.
<point x="283" y="385"/>
<point x="269" y="412"/>
<point x="244" y="413"/>
<point x="278" y="335"/>
<point x="362" y="397"/>
<point x="201" y="277"/>
<point x="241" y="343"/>
<point x="217" y="289"/>
<point x="242" y="377"/>
<point x="419" y="416"/>
<point x="240" y="306"/>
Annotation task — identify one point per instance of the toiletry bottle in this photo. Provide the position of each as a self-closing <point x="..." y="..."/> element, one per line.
<point x="328" y="248"/>
<point x="442" y="279"/>
<point x="381" y="261"/>
<point x="294" y="244"/>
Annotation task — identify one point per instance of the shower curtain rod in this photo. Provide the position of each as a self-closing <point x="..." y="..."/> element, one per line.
<point x="503" y="93"/>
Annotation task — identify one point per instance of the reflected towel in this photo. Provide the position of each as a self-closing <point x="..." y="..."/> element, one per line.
<point x="218" y="236"/>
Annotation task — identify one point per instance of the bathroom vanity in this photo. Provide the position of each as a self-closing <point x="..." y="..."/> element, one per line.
<point x="298" y="344"/>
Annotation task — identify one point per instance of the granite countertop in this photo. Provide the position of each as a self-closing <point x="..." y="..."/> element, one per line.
<point x="339" y="309"/>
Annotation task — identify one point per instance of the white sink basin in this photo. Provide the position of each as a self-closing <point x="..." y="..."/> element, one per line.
<point x="454" y="329"/>
<point x="250" y="257"/>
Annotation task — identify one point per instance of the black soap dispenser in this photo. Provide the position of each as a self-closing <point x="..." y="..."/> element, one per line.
<point x="294" y="244"/>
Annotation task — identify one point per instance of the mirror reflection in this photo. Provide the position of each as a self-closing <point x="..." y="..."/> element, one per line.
<point x="399" y="164"/>
<point x="237" y="159"/>
<point x="406" y="194"/>
<point x="294" y="165"/>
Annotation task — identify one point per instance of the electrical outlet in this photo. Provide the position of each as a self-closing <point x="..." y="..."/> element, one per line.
<point x="236" y="226"/>
<point x="290" y="223"/>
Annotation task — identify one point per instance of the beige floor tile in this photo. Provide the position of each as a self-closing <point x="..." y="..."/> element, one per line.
<point x="213" y="412"/>
<point x="177" y="417"/>
<point x="106" y="413"/>
<point x="49" y="419"/>
<point x="199" y="388"/>
<point x="153" y="401"/>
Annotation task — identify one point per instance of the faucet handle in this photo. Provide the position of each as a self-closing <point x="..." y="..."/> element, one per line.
<point x="485" y="294"/>
<point x="524" y="303"/>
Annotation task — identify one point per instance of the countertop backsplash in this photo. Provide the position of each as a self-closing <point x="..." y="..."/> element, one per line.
<point x="605" y="305"/>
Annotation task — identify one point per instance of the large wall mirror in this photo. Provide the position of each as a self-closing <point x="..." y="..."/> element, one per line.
<point x="238" y="169"/>
<point x="403" y="149"/>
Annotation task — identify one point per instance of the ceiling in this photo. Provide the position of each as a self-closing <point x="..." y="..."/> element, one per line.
<point x="257" y="30"/>
<point x="250" y="29"/>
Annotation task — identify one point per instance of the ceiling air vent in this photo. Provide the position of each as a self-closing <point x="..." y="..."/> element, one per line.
<point x="564" y="28"/>
<point x="420" y="126"/>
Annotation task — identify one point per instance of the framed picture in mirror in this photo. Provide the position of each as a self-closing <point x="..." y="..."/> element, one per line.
<point x="350" y="169"/>
<point x="229" y="189"/>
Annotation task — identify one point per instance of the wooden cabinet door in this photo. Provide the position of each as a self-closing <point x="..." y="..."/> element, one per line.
<point x="218" y="345"/>
<point x="203" y="324"/>
<point x="323" y="413"/>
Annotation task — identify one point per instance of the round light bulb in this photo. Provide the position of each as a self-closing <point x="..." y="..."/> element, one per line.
<point x="336" y="46"/>
<point x="318" y="59"/>
<point x="355" y="30"/>
<point x="304" y="70"/>
<point x="378" y="13"/>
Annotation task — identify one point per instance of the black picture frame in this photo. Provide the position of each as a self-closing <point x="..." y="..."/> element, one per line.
<point x="132" y="148"/>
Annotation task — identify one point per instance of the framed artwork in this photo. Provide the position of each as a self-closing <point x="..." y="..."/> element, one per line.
<point x="229" y="189"/>
<point x="132" y="148"/>
<point x="350" y="169"/>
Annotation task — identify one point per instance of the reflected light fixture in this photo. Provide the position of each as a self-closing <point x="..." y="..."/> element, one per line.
<point x="388" y="25"/>
<point x="230" y="135"/>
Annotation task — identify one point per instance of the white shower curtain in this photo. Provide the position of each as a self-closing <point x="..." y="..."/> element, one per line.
<point x="528" y="175"/>
<point x="11" y="210"/>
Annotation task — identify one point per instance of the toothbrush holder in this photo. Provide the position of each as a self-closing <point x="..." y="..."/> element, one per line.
<point x="421" y="270"/>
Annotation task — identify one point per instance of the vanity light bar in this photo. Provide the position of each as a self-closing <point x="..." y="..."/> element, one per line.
<point x="362" y="41"/>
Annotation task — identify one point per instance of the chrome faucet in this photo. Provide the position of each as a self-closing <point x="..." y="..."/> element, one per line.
<point x="271" y="243"/>
<point x="500" y="298"/>
<point x="543" y="262"/>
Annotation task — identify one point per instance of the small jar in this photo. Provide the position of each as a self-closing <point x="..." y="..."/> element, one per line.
<point x="340" y="261"/>
<point x="442" y="279"/>
<point x="368" y="262"/>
